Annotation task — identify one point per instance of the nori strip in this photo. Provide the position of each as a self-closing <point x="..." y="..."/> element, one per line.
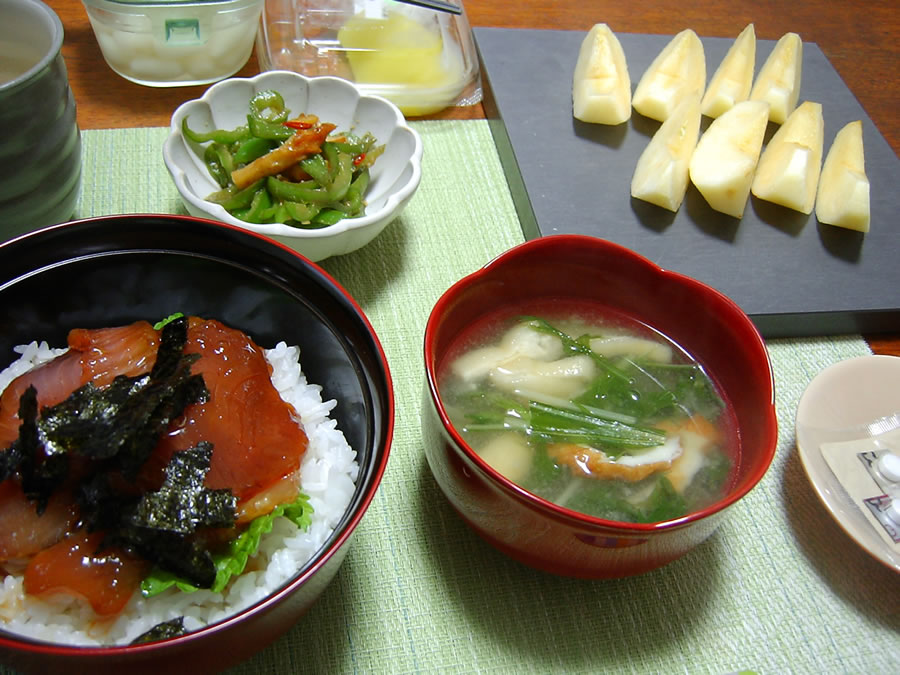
<point x="162" y="522"/>
<point x="183" y="503"/>
<point x="42" y="469"/>
<point x="162" y="631"/>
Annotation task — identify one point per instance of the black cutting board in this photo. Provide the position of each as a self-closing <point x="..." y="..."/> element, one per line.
<point x="791" y="274"/>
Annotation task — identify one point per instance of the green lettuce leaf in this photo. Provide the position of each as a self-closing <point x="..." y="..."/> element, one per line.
<point x="233" y="560"/>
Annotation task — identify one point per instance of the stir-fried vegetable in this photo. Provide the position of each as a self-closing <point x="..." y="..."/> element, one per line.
<point x="278" y="169"/>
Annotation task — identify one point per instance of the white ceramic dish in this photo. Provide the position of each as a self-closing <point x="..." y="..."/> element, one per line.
<point x="841" y="400"/>
<point x="395" y="176"/>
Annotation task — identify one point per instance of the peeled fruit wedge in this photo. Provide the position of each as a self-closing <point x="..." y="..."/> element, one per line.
<point x="788" y="171"/>
<point x="661" y="174"/>
<point x="843" y="197"/>
<point x="733" y="78"/>
<point x="726" y="155"/>
<point x="601" y="87"/>
<point x="778" y="81"/>
<point x="677" y="71"/>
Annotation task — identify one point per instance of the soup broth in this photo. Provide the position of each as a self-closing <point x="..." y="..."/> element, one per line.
<point x="592" y="411"/>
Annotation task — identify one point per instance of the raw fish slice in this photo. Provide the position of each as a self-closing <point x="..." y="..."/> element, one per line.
<point x="257" y="443"/>
<point x="110" y="352"/>
<point x="22" y="531"/>
<point x="106" y="578"/>
<point x="94" y="355"/>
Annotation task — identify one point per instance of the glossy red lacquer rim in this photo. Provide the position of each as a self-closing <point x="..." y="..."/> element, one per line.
<point x="711" y="297"/>
<point x="28" y="645"/>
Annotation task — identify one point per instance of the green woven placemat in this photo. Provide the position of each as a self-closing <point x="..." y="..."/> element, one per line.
<point x="779" y="588"/>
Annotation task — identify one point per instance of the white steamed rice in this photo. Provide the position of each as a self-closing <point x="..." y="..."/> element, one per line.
<point x="328" y="476"/>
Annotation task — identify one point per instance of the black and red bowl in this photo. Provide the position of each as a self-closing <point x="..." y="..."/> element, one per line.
<point x="117" y="269"/>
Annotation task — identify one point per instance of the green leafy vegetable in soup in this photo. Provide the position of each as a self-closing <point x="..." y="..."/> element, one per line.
<point x="608" y="419"/>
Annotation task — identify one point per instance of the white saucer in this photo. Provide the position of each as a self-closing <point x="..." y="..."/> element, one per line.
<point x="848" y="394"/>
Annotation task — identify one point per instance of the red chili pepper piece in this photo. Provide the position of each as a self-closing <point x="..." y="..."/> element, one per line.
<point x="298" y="124"/>
<point x="359" y="159"/>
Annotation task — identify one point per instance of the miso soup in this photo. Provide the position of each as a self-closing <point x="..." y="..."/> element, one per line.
<point x="592" y="411"/>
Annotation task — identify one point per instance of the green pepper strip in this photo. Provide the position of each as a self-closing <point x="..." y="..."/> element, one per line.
<point x="265" y="129"/>
<point x="252" y="148"/>
<point x="268" y="100"/>
<point x="297" y="192"/>
<point x="352" y="204"/>
<point x="217" y="135"/>
<point x="260" y="203"/>
<point x="342" y="177"/>
<point x="327" y="217"/>
<point x="330" y="151"/>
<point x="356" y="145"/>
<point x="232" y="199"/>
<point x="301" y="213"/>
<point x="317" y="168"/>
<point x="219" y="162"/>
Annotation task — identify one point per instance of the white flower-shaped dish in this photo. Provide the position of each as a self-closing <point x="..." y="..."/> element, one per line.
<point x="395" y="176"/>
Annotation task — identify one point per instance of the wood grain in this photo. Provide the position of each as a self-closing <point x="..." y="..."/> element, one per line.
<point x="861" y="38"/>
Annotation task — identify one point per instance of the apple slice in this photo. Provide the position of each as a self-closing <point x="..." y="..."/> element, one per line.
<point x="725" y="158"/>
<point x="661" y="174"/>
<point x="601" y="87"/>
<point x="778" y="82"/>
<point x="843" y="197"/>
<point x="733" y="78"/>
<point x="789" y="167"/>
<point x="677" y="71"/>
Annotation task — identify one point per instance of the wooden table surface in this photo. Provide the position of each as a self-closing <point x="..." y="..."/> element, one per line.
<point x="861" y="38"/>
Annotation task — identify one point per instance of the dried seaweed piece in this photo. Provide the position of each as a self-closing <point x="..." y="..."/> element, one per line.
<point x="184" y="503"/>
<point x="161" y="525"/>
<point x="42" y="469"/>
<point x="173" y="338"/>
<point x="162" y="631"/>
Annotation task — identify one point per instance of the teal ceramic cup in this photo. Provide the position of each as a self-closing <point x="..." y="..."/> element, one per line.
<point x="40" y="143"/>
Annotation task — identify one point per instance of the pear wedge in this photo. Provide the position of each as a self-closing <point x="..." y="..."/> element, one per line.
<point x="661" y="175"/>
<point x="733" y="79"/>
<point x="789" y="167"/>
<point x="677" y="71"/>
<point x="843" y="196"/>
<point x="726" y="155"/>
<point x="778" y="81"/>
<point x="601" y="87"/>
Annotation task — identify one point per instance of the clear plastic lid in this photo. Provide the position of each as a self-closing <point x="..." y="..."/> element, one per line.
<point x="421" y="59"/>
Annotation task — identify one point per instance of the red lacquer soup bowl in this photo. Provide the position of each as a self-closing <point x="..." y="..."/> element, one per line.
<point x="565" y="269"/>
